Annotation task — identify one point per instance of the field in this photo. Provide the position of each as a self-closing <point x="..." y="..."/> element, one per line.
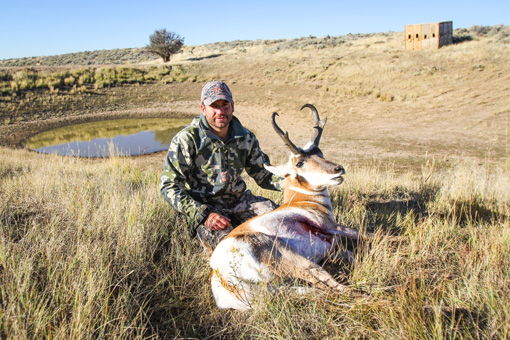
<point x="89" y="249"/>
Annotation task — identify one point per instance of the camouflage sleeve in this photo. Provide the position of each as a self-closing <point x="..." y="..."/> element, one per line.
<point x="255" y="168"/>
<point x="173" y="183"/>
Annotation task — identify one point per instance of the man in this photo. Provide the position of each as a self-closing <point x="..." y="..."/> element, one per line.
<point x="203" y="166"/>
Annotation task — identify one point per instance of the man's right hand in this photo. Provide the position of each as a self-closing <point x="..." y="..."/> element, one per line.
<point x="216" y="221"/>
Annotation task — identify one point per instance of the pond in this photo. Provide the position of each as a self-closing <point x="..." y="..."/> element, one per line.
<point x="120" y="137"/>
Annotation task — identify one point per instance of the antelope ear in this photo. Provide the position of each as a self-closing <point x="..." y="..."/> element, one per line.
<point x="281" y="170"/>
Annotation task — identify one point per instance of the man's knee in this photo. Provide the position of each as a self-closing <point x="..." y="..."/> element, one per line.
<point x="260" y="205"/>
<point x="253" y="207"/>
<point x="210" y="238"/>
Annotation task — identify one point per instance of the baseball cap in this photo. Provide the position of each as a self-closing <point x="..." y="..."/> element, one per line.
<point x="215" y="90"/>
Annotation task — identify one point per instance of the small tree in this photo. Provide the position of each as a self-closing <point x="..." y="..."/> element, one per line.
<point x="165" y="44"/>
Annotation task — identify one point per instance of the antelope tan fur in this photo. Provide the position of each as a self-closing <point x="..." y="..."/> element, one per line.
<point x="289" y="241"/>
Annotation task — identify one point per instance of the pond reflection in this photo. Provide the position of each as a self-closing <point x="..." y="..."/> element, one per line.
<point x="120" y="137"/>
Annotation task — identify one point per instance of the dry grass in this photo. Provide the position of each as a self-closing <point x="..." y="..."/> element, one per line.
<point x="88" y="248"/>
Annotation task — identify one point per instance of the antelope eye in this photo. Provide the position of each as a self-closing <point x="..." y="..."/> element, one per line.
<point x="299" y="164"/>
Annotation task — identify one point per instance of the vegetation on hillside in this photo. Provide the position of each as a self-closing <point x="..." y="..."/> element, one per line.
<point x="89" y="249"/>
<point x="20" y="79"/>
<point x="82" y="79"/>
<point x="30" y="93"/>
<point x="348" y="77"/>
<point x="498" y="33"/>
<point x="101" y="57"/>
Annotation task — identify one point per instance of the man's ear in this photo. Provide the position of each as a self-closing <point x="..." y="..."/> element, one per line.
<point x="202" y="107"/>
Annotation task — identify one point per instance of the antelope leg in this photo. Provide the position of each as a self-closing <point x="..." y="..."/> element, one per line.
<point x="292" y="264"/>
<point x="347" y="232"/>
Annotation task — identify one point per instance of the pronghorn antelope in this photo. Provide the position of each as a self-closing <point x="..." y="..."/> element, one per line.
<point x="289" y="241"/>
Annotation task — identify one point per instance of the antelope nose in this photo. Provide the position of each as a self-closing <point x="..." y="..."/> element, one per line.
<point x="340" y="169"/>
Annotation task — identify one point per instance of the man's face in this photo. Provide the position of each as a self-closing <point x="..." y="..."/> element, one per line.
<point x="218" y="114"/>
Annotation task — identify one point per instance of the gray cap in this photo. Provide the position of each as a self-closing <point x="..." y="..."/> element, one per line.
<point x="215" y="90"/>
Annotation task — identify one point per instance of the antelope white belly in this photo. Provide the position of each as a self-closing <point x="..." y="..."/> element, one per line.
<point x="294" y="228"/>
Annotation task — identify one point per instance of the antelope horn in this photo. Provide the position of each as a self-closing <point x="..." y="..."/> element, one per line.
<point x="285" y="137"/>
<point x="318" y="125"/>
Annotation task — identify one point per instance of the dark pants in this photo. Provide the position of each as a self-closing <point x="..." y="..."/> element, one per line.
<point x="248" y="206"/>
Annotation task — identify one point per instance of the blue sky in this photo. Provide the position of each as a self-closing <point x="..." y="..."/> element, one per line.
<point x="40" y="28"/>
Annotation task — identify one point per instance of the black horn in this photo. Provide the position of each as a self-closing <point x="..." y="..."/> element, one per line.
<point x="318" y="125"/>
<point x="285" y="137"/>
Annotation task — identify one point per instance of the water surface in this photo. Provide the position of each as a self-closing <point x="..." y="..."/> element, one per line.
<point x="120" y="137"/>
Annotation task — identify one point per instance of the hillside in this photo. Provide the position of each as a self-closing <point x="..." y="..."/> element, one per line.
<point x="382" y="102"/>
<point x="138" y="55"/>
<point x="90" y="250"/>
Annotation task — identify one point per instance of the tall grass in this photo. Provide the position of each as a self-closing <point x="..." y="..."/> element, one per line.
<point x="81" y="248"/>
<point x="30" y="79"/>
<point x="88" y="249"/>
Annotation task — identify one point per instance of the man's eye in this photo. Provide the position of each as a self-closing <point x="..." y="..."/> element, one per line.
<point x="299" y="164"/>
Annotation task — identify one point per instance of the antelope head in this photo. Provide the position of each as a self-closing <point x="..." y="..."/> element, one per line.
<point x="307" y="165"/>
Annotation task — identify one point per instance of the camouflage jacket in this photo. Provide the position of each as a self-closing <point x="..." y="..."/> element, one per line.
<point x="203" y="174"/>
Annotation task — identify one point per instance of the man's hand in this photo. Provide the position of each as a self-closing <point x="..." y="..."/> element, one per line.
<point x="216" y="221"/>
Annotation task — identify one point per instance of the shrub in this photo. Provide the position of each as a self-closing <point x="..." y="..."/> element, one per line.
<point x="14" y="86"/>
<point x="26" y="74"/>
<point x="87" y="78"/>
<point x="157" y="73"/>
<point x="84" y="75"/>
<point x="54" y="82"/>
<point x="25" y="84"/>
<point x="4" y="76"/>
<point x="105" y="76"/>
<point x="68" y="81"/>
<point x="40" y="82"/>
<point x="129" y="75"/>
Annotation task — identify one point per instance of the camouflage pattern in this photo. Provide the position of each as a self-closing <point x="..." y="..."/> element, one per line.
<point x="248" y="207"/>
<point x="202" y="173"/>
<point x="215" y="90"/>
